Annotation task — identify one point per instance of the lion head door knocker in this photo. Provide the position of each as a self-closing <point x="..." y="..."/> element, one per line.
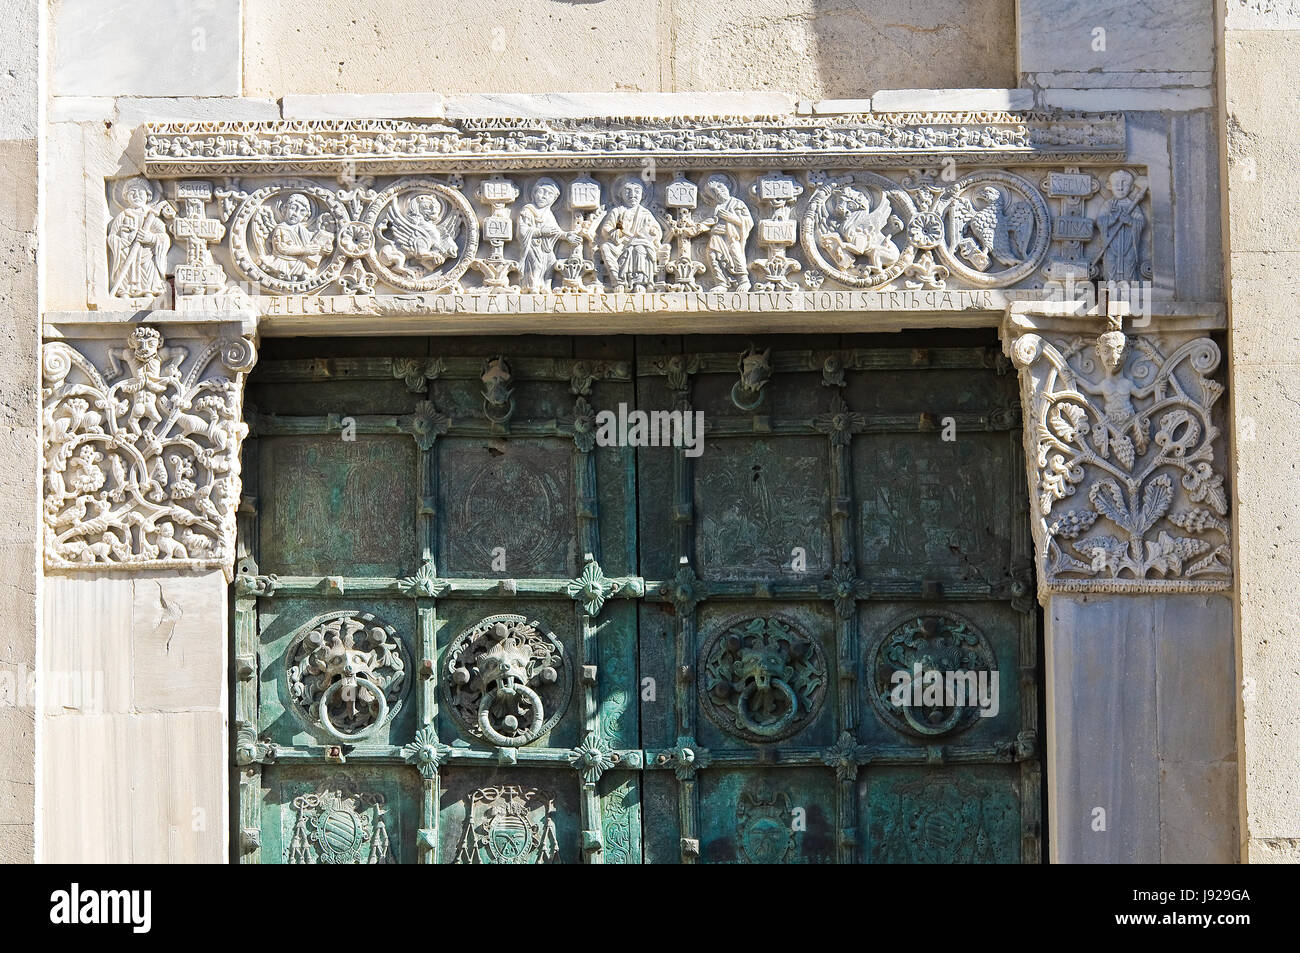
<point x="755" y="371"/>
<point x="508" y="680"/>
<point x="498" y="404"/>
<point x="346" y="672"/>
<point x="929" y="674"/>
<point x="765" y="831"/>
<point x="764" y="679"/>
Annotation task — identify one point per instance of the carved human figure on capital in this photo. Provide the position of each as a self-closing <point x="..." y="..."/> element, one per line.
<point x="143" y="358"/>
<point x="294" y="244"/>
<point x="631" y="240"/>
<point x="1120" y="226"/>
<point x="729" y="229"/>
<point x="538" y="233"/>
<point x="1116" y="391"/>
<point x="138" y="243"/>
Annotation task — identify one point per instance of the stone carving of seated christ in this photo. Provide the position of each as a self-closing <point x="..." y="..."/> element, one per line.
<point x="630" y="241"/>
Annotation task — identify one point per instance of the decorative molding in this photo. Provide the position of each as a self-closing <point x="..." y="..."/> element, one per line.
<point x="141" y="450"/>
<point x="511" y="145"/>
<point x="1124" y="457"/>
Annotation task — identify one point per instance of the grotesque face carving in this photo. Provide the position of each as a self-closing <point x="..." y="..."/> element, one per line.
<point x="145" y="343"/>
<point x="496" y="381"/>
<point x="1110" y="349"/>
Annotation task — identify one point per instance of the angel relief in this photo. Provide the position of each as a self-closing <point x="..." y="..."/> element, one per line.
<point x="291" y="242"/>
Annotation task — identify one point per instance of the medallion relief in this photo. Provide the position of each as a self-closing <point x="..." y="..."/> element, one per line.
<point x="508" y="680"/>
<point x="346" y="674"/>
<point x="762" y="678"/>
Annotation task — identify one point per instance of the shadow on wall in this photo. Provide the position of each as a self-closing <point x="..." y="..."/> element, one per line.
<point x="843" y="49"/>
<point x="814" y="49"/>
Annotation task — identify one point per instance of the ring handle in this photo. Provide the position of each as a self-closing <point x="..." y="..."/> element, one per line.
<point x="773" y="728"/>
<point x="496" y="737"/>
<point x="322" y="708"/>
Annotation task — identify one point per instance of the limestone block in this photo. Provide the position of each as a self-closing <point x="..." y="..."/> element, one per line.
<point x="1266" y="302"/>
<point x="134" y="788"/>
<point x="64" y="221"/>
<point x="1262" y="101"/>
<point x="179" y="787"/>
<point x="179" y="641"/>
<point x="1262" y="15"/>
<point x="364" y="106"/>
<point x="1148" y="143"/>
<point x="525" y="45"/>
<point x="18" y="602"/>
<point x="1198" y="819"/>
<point x="145" y="48"/>
<point x="1103" y="740"/>
<point x="644" y="105"/>
<point x="1196" y="706"/>
<point x="1154" y="79"/>
<point x="133" y="111"/>
<point x="80" y="109"/>
<point x="940" y="100"/>
<point x="18" y="70"/>
<point x="1057" y="35"/>
<point x="86" y="649"/>
<point x="1105" y="100"/>
<point x="831" y="107"/>
<point x="1198" y="235"/>
<point x="845" y="50"/>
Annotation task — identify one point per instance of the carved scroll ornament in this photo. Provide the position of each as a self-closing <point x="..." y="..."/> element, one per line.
<point x="141" y="456"/>
<point x="1126" y="484"/>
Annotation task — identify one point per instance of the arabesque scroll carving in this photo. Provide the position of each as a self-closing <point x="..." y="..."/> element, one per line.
<point x="142" y="457"/>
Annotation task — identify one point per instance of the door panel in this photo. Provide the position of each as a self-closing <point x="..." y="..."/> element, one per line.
<point x="466" y="631"/>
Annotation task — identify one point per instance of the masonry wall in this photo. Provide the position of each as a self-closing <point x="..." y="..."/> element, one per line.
<point x="114" y="67"/>
<point x="1261" y="47"/>
<point x="19" y="430"/>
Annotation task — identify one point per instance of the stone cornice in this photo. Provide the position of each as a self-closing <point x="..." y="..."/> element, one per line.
<point x="475" y="145"/>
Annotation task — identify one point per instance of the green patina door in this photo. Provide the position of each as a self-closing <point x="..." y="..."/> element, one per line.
<point x="469" y="629"/>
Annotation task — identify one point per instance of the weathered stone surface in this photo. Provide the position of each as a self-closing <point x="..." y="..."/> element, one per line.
<point x="647" y="105"/>
<point x="538" y="46"/>
<point x="1198" y="812"/>
<point x="798" y="48"/>
<point x="1103" y="745"/>
<point x="145" y="48"/>
<point x="939" y="100"/>
<point x="1157" y="35"/>
<point x="159" y="784"/>
<point x="1148" y="731"/>
<point x="86" y="663"/>
<point x="1154" y="79"/>
<point x="1198" y="234"/>
<point x="1101" y="100"/>
<point x="1262" y="98"/>
<point x="176" y="665"/>
<point x="363" y="106"/>
<point x="817" y="51"/>
<point x="1263" y="205"/>
<point x="18" y="71"/>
